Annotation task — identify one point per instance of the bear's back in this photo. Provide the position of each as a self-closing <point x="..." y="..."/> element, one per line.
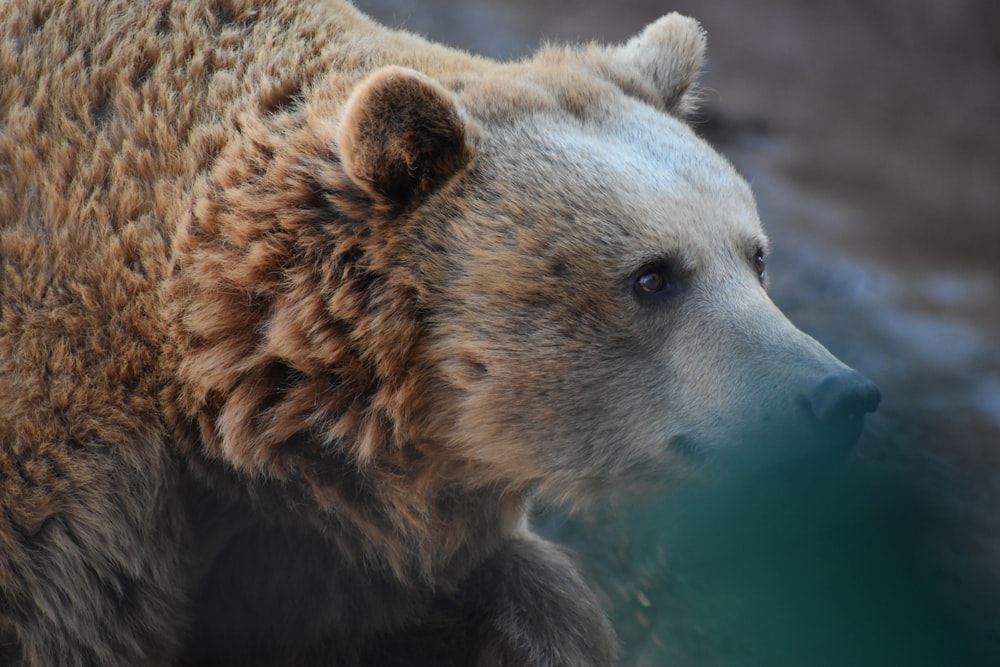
<point x="110" y="114"/>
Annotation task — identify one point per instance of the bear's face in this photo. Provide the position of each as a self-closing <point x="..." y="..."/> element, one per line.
<point x="593" y="273"/>
<point x="602" y="307"/>
<point x="520" y="276"/>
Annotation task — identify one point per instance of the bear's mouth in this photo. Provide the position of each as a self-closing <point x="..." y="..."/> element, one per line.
<point x="801" y="444"/>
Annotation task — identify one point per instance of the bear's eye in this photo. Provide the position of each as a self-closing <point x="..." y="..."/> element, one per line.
<point x="653" y="281"/>
<point x="759" y="264"/>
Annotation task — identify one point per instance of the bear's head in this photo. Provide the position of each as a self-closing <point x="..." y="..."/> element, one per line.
<point x="531" y="276"/>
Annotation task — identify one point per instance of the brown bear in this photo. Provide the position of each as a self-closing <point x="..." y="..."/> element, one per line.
<point x="299" y="315"/>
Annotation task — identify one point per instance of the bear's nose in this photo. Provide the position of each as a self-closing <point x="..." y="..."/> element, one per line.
<point x="844" y="396"/>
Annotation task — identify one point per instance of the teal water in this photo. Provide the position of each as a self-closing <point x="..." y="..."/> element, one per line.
<point x="828" y="571"/>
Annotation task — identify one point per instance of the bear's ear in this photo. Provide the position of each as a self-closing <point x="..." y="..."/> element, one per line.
<point x="402" y="135"/>
<point x="660" y="65"/>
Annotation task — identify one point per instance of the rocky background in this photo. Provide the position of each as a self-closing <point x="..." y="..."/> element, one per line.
<point x="870" y="133"/>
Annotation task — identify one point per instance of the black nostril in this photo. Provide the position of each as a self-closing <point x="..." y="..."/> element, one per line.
<point x="843" y="396"/>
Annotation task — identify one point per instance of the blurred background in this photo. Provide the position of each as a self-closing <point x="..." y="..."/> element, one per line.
<point x="870" y="133"/>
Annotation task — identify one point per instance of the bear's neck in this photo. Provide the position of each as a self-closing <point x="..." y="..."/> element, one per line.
<point x="294" y="334"/>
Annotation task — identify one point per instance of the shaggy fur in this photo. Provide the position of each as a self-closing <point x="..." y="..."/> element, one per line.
<point x="297" y="315"/>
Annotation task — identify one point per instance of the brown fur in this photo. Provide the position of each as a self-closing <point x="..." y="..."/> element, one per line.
<point x="282" y="322"/>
